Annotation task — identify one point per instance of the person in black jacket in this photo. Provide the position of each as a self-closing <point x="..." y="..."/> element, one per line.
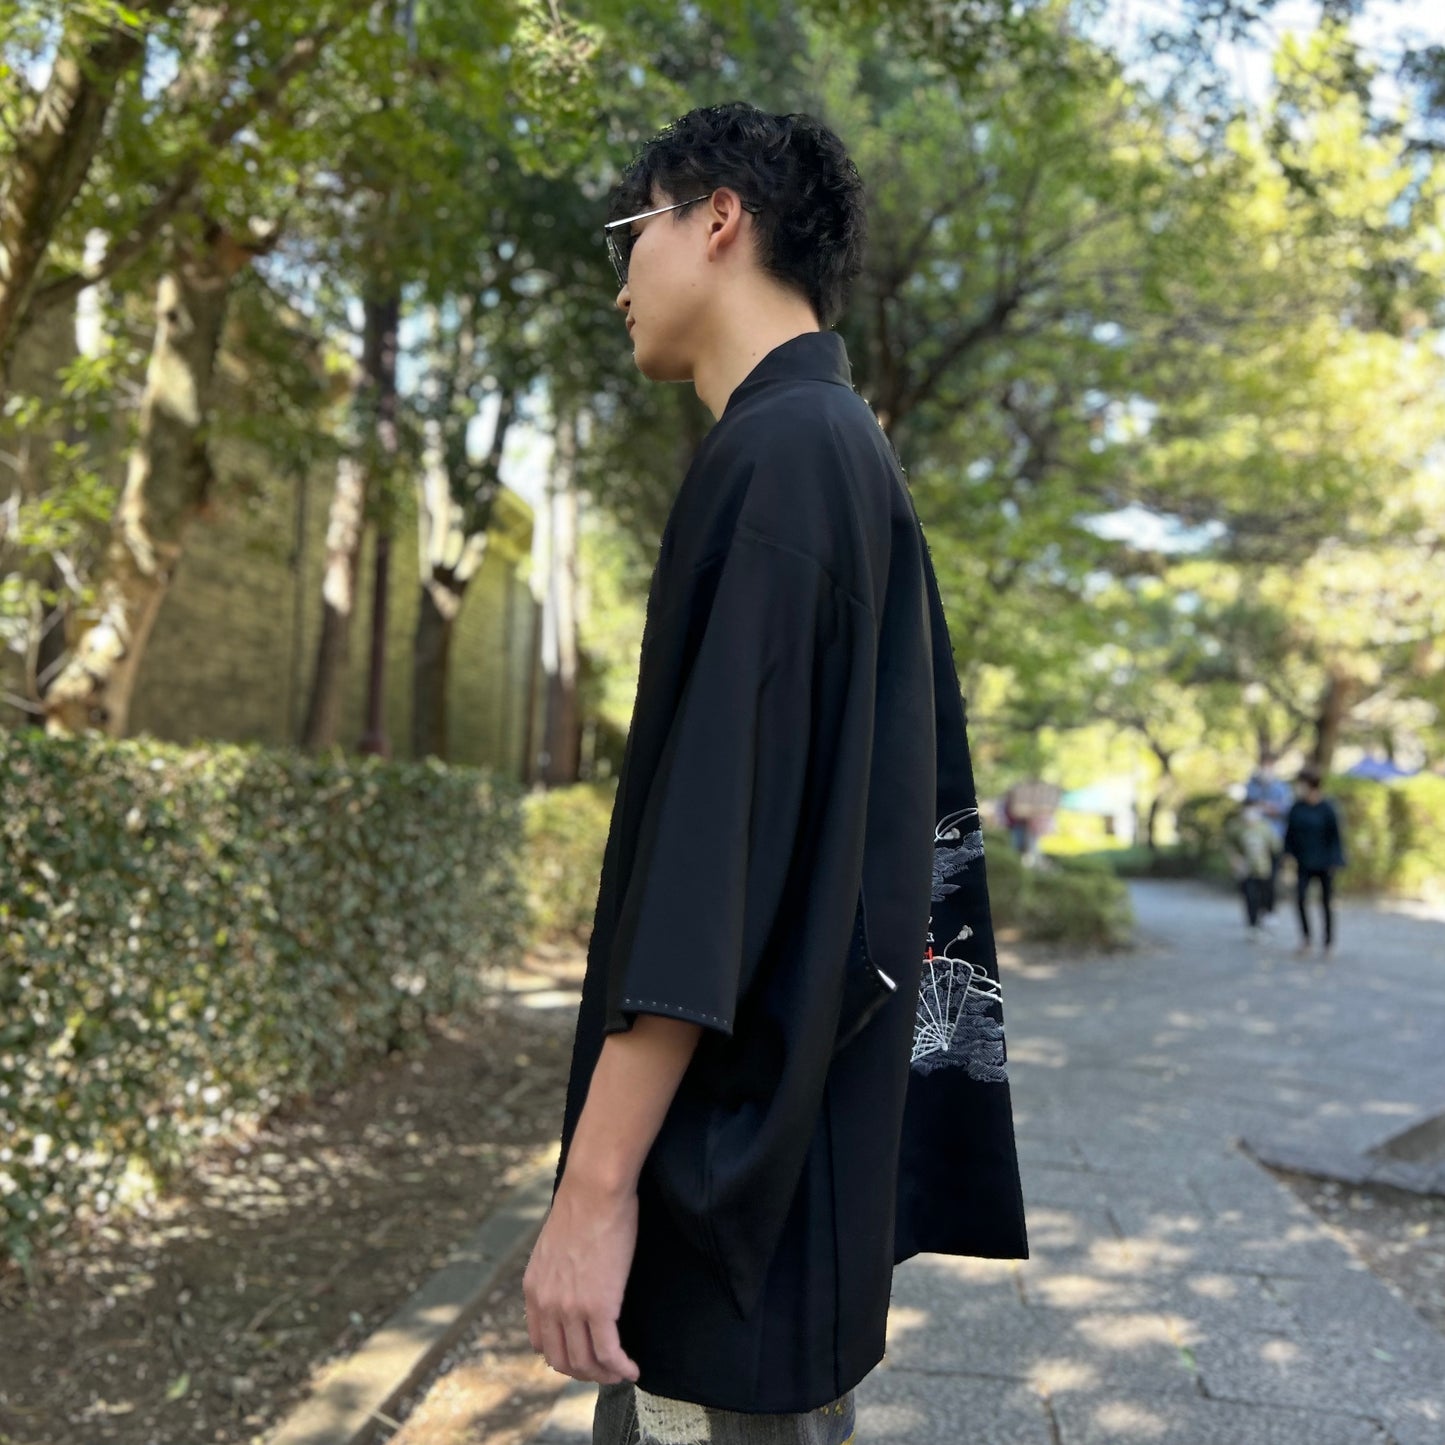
<point x="789" y="1069"/>
<point x="1312" y="837"/>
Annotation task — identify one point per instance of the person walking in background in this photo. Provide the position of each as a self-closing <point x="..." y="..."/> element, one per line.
<point x="1314" y="840"/>
<point x="1028" y="813"/>
<point x="1019" y="833"/>
<point x="1254" y="859"/>
<point x="1269" y="792"/>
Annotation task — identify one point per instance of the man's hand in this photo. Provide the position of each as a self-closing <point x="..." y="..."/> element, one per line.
<point x="575" y="1279"/>
<point x="578" y="1271"/>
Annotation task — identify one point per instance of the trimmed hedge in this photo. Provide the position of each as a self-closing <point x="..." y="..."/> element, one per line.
<point x="1370" y="843"/>
<point x="1418" y="815"/>
<point x="190" y="937"/>
<point x="566" y="838"/>
<point x="1394" y="834"/>
<point x="1077" y="900"/>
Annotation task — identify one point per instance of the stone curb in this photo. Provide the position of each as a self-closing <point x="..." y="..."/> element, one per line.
<point x="1343" y="1166"/>
<point x="355" y="1396"/>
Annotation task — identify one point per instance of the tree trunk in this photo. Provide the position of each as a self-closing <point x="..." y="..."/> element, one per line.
<point x="41" y="177"/>
<point x="1335" y="705"/>
<point x="49" y="651"/>
<point x="1165" y="758"/>
<point x="374" y="740"/>
<point x="166" y="484"/>
<point x="383" y="321"/>
<point x="356" y="482"/>
<point x="451" y="557"/>
<point x="562" y="736"/>
<point x="441" y="601"/>
<point x="1151" y="823"/>
<point x="455" y="501"/>
<point x="338" y="601"/>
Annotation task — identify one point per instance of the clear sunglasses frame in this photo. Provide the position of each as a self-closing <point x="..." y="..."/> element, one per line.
<point x="615" y="249"/>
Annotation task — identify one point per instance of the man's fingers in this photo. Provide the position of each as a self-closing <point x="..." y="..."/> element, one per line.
<point x="579" y="1350"/>
<point x="533" y="1313"/>
<point x="554" y="1346"/>
<point x="607" y="1346"/>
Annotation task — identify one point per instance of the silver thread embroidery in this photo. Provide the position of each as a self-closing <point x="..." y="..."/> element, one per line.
<point x="955" y="1024"/>
<point x="949" y="861"/>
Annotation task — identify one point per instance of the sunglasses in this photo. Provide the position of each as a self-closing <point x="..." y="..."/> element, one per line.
<point x="619" y="239"/>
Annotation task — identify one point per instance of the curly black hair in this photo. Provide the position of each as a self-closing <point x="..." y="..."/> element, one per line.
<point x="791" y="172"/>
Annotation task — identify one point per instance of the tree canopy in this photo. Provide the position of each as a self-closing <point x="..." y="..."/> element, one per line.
<point x="1162" y="360"/>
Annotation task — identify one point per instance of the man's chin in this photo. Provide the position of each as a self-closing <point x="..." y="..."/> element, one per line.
<point x="659" y="368"/>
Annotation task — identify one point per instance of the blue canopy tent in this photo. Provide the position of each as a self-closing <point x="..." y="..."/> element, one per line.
<point x="1379" y="770"/>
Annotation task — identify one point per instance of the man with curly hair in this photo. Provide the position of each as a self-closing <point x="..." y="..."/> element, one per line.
<point x="788" y="1071"/>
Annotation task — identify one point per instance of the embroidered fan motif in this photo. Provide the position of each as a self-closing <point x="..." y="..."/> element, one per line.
<point x="956" y="1026"/>
<point x="949" y="861"/>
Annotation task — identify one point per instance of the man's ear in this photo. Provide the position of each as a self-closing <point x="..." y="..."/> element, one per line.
<point x="726" y="222"/>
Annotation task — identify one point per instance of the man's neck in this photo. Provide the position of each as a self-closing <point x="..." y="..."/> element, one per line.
<point x="738" y="343"/>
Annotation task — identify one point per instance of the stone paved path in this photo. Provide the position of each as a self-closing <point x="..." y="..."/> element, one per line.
<point x="1177" y="1294"/>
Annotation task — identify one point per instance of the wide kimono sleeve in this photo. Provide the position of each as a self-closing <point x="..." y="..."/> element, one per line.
<point x="717" y="835"/>
<point x="958" y="1175"/>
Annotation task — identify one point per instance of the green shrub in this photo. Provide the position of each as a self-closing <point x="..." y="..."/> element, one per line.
<point x="1133" y="861"/>
<point x="1090" y="863"/>
<point x="188" y="937"/>
<point x="1370" y="842"/>
<point x="566" y="832"/>
<point x="1201" y="821"/>
<point x="1078" y="900"/>
<point x="1005" y="872"/>
<point x="1417" y="813"/>
<point x="1140" y="861"/>
<point x="1089" y="908"/>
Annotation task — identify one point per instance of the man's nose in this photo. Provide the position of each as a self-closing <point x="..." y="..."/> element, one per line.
<point x="624" y="299"/>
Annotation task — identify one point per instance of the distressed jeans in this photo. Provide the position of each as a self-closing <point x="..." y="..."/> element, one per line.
<point x="627" y="1416"/>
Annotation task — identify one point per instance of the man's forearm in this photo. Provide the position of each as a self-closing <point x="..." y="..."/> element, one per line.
<point x="579" y="1268"/>
<point x="636" y="1077"/>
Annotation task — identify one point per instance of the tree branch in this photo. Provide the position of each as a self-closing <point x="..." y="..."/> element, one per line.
<point x="52" y="155"/>
<point x="229" y="122"/>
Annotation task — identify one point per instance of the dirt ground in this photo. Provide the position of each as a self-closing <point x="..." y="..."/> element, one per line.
<point x="491" y="1388"/>
<point x="206" y="1319"/>
<point x="1400" y="1236"/>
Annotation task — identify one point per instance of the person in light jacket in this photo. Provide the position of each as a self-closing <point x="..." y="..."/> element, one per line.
<point x="1253" y="859"/>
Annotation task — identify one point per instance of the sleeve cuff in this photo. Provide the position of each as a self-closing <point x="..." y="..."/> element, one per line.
<point x="619" y="1020"/>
